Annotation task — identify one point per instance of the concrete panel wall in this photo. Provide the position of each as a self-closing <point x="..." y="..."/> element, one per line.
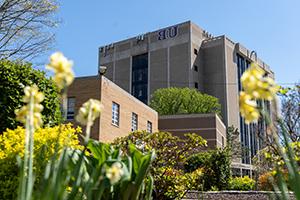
<point x="122" y="74"/>
<point x="158" y="69"/>
<point x="232" y="85"/>
<point x="109" y="70"/>
<point x="179" y="65"/>
<point x="213" y="59"/>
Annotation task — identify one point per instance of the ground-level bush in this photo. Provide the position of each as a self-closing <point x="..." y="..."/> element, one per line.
<point x="242" y="183"/>
<point x="216" y="168"/>
<point x="173" y="183"/>
<point x="45" y="141"/>
<point x="170" y="181"/>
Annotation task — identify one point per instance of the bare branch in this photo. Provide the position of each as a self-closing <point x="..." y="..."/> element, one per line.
<point x="25" y="27"/>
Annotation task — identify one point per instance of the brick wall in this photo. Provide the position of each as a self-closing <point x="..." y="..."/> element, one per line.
<point x="110" y="92"/>
<point x="107" y="92"/>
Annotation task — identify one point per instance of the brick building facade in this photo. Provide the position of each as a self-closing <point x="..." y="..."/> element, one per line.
<point x="121" y="114"/>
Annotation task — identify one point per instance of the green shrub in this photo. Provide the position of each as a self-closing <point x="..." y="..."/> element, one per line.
<point x="197" y="161"/>
<point x="216" y="168"/>
<point x="14" y="75"/>
<point x="242" y="183"/>
<point x="171" y="182"/>
<point x="12" y="145"/>
<point x="171" y="154"/>
<point x="174" y="183"/>
<point x="170" y="101"/>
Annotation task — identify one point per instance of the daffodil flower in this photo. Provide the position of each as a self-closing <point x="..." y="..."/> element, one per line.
<point x="62" y="68"/>
<point x="114" y="173"/>
<point x="33" y="96"/>
<point x="92" y="107"/>
<point x="248" y="108"/>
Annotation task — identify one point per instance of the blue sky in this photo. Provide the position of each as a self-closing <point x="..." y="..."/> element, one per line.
<point x="270" y="27"/>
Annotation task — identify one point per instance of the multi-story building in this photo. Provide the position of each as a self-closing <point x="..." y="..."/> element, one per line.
<point x="185" y="55"/>
<point x="121" y="114"/>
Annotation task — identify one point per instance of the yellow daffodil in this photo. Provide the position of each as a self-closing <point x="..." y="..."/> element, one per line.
<point x="248" y="108"/>
<point x="62" y="68"/>
<point x="114" y="173"/>
<point x="255" y="84"/>
<point x="92" y="107"/>
<point x="32" y="97"/>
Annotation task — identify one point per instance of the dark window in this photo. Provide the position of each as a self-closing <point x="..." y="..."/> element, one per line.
<point x="196" y="85"/>
<point x="71" y="108"/>
<point x="140" y="77"/>
<point x="223" y="142"/>
<point x="195" y="51"/>
<point x="195" y="68"/>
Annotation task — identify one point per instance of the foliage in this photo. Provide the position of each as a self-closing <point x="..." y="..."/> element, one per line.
<point x="290" y="111"/>
<point x="289" y="165"/>
<point x="232" y="142"/>
<point x="171" y="153"/>
<point x="175" y="183"/>
<point x="170" y="101"/>
<point x="12" y="145"/>
<point x="265" y="181"/>
<point x="196" y="161"/>
<point x="77" y="175"/>
<point x="25" y="30"/>
<point x="171" y="150"/>
<point x="14" y="76"/>
<point x="242" y="183"/>
<point x="216" y="167"/>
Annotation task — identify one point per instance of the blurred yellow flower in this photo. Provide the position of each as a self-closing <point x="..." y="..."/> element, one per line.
<point x="62" y="68"/>
<point x="255" y="84"/>
<point x="115" y="173"/>
<point x="34" y="97"/>
<point x="248" y="108"/>
<point x="93" y="108"/>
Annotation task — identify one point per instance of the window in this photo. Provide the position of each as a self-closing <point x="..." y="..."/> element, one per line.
<point x="140" y="77"/>
<point x="149" y="127"/>
<point x="223" y="142"/>
<point x="195" y="51"/>
<point x="196" y="85"/>
<point x="70" y="108"/>
<point x="115" y="114"/>
<point x="195" y="68"/>
<point x="134" y="122"/>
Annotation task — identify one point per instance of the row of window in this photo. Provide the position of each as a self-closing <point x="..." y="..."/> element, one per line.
<point x="134" y="118"/>
<point x="115" y="119"/>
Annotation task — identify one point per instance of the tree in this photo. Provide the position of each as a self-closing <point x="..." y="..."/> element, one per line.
<point x="25" y="27"/>
<point x="290" y="111"/>
<point x="170" y="101"/>
<point x="13" y="77"/>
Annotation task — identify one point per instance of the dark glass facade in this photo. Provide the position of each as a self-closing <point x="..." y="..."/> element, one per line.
<point x="252" y="134"/>
<point x="139" y="84"/>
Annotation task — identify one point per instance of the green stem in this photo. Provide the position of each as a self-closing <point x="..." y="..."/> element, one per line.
<point x="31" y="143"/>
<point x="27" y="172"/>
<point x="88" y="126"/>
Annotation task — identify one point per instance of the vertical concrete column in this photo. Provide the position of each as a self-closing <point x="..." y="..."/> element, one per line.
<point x="168" y="66"/>
<point x="114" y="65"/>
